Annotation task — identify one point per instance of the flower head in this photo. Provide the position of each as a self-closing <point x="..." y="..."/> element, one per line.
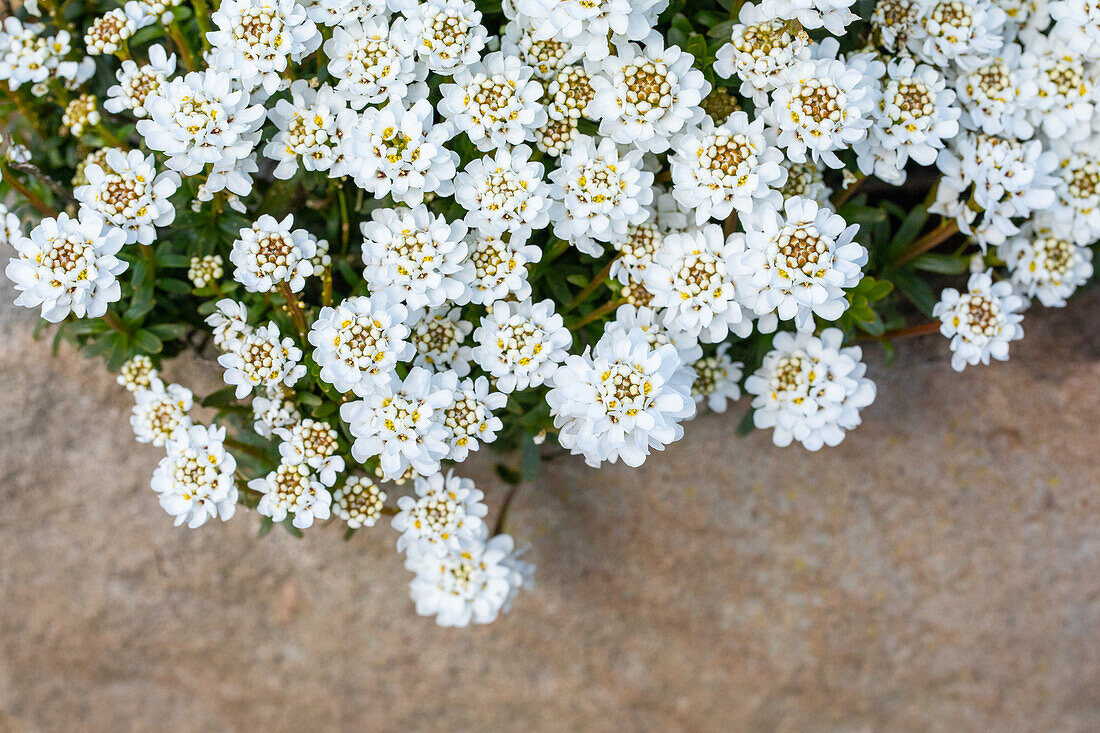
<point x="980" y="322"/>
<point x="359" y="342"/>
<point x="195" y="479"/>
<point x="127" y="191"/>
<point x="521" y="343"/>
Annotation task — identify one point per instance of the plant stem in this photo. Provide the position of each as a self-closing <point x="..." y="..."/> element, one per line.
<point x="840" y="197"/>
<point x="920" y="329"/>
<point x="234" y="444"/>
<point x="502" y="518"/>
<point x="294" y="306"/>
<point x="112" y="320"/>
<point x="609" y="307"/>
<point x="181" y="44"/>
<point x="10" y="179"/>
<point x="590" y="288"/>
<point x="345" y="221"/>
<point x="729" y="226"/>
<point x="202" y="17"/>
<point x="942" y="233"/>
<point x="326" y="287"/>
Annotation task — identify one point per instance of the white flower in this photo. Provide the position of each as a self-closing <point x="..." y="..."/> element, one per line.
<point x="495" y="268"/>
<point x="128" y="193"/>
<point x="262" y="359"/>
<point x="10" y="227"/>
<point x="270" y="253"/>
<point x="916" y="115"/>
<point x="137" y="373"/>
<point x="718" y="169"/>
<point x="980" y="322"/>
<point x="448" y="34"/>
<point x="1076" y="211"/>
<point x="345" y="12"/>
<point x="439" y="338"/>
<point x="445" y="510"/>
<point x="832" y="15"/>
<point x="820" y="106"/>
<point x="960" y="32"/>
<point x="135" y="83"/>
<point x="474" y="583"/>
<point x="1065" y="106"/>
<point x="521" y="343"/>
<point x="587" y="24"/>
<point x="292" y="490"/>
<point x="415" y="256"/>
<point x="692" y="279"/>
<point x="634" y="318"/>
<point x="1046" y="266"/>
<point x="81" y="113"/>
<point x="893" y="20"/>
<point x="1005" y="178"/>
<point x="504" y="193"/>
<point x="995" y="96"/>
<point x="206" y="270"/>
<point x="760" y="50"/>
<point x="469" y="419"/>
<point x="646" y="94"/>
<point x="1077" y="24"/>
<point x="717" y="379"/>
<point x="147" y="12"/>
<point x="306" y="127"/>
<point x="359" y="343"/>
<point x="598" y="193"/>
<point x="195" y="479"/>
<point x="358" y="502"/>
<point x="68" y="266"/>
<point x="401" y="426"/>
<point x="108" y="32"/>
<point x="24" y="54"/>
<point x="229" y="324"/>
<point x="620" y="399"/>
<point x="495" y="102"/>
<point x="314" y="444"/>
<point x="806" y="180"/>
<point x="547" y="56"/>
<point x="273" y="410"/>
<point x="400" y="152"/>
<point x="373" y="61"/>
<point x="160" y="413"/>
<point x="569" y="94"/>
<point x="255" y="39"/>
<point x="203" y="119"/>
<point x="810" y="389"/>
<point x="799" y="262"/>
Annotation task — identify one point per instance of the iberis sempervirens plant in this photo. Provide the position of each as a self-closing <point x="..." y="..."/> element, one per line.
<point x="407" y="230"/>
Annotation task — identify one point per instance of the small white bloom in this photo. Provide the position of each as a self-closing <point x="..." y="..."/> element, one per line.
<point x="229" y="324"/>
<point x="620" y="399"/>
<point x="206" y="271"/>
<point x="598" y="193"/>
<point x="81" y="113"/>
<point x="445" y="510"/>
<point x="832" y="15"/>
<point x="135" y="83"/>
<point x="521" y="343"/>
<point x="358" y="502"/>
<point x="1046" y="266"/>
<point x="1077" y="24"/>
<point x="1068" y="87"/>
<point x="693" y="280"/>
<point x="137" y="373"/>
<point x="292" y="490"/>
<point x="68" y="266"/>
<point x="160" y="413"/>
<point x="195" y="479"/>
<point x="504" y="193"/>
<point x="474" y="583"/>
<point x="469" y="419"/>
<point x="401" y="426"/>
<point x="806" y="181"/>
<point x="313" y="443"/>
<point x="270" y="253"/>
<point x="760" y="50"/>
<point x="495" y="269"/>
<point x="647" y="320"/>
<point x="107" y="33"/>
<point x="717" y="379"/>
<point x="996" y="96"/>
<point x="646" y="94"/>
<point x="306" y="127"/>
<point x="439" y="337"/>
<point x="980" y="322"/>
<point x="1076" y="211"/>
<point x="964" y="33"/>
<point x="273" y="410"/>
<point x="547" y="56"/>
<point x="496" y="102"/>
<point x="810" y="389"/>
<point x="447" y="34"/>
<point x="345" y="12"/>
<point x="262" y="359"/>
<point x="256" y="39"/>
<point x="127" y="191"/>
<point x="415" y="256"/>
<point x="716" y="170"/>
<point x="588" y="25"/>
<point x="799" y="262"/>
<point x="373" y="61"/>
<point x="359" y="343"/>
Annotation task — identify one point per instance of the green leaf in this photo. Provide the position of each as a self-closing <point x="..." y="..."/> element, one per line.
<point x="747" y="425"/>
<point x="943" y="264"/>
<point x="168" y="331"/>
<point x="148" y="342"/>
<point x="530" y="459"/>
<point x="915" y="289"/>
<point x="508" y="475"/>
<point x="172" y="285"/>
<point x="265" y="526"/>
<point x="223" y="396"/>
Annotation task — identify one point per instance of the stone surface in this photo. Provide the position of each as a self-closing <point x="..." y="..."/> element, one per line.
<point x="937" y="571"/>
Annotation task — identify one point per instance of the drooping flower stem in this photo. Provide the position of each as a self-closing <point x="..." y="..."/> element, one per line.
<point x="940" y="234"/>
<point x="605" y="309"/>
<point x="294" y="307"/>
<point x="920" y="329"/>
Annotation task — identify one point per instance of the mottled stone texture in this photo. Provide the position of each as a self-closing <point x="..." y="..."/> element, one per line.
<point x="938" y="571"/>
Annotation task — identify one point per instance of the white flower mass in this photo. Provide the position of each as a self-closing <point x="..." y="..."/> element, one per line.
<point x="408" y="230"/>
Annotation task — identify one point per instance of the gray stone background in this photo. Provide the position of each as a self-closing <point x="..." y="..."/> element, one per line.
<point x="940" y="570"/>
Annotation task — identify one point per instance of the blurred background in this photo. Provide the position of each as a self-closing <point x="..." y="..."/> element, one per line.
<point x="940" y="570"/>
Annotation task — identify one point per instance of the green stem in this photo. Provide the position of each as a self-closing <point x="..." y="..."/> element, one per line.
<point x="840" y="197"/>
<point x="10" y="179"/>
<point x="502" y="519"/>
<point x="940" y="234"/>
<point x="113" y="321"/>
<point x="202" y="17"/>
<point x="590" y="288"/>
<point x="294" y="306"/>
<point x="919" y="329"/>
<point x="345" y="220"/>
<point x="234" y="444"/>
<point x="182" y="45"/>
<point x="607" y="308"/>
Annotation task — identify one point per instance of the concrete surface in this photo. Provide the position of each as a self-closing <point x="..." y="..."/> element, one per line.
<point x="939" y="571"/>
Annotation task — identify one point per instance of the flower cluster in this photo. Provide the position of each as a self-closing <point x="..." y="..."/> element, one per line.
<point x="405" y="230"/>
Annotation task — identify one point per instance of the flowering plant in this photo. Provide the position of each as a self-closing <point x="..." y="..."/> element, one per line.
<point x="406" y="230"/>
